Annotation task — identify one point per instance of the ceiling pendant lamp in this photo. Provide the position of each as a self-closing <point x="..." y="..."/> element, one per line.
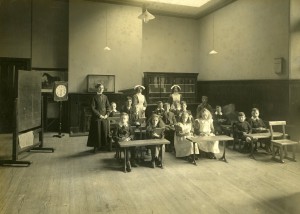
<point x="106" y="46"/>
<point x="146" y="16"/>
<point x="213" y="51"/>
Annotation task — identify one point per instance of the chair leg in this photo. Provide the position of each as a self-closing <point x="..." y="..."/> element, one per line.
<point x="273" y="151"/>
<point x="285" y="152"/>
<point x="281" y="154"/>
<point x="294" y="151"/>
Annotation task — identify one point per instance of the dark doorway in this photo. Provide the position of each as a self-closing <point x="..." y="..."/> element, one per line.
<point x="8" y="78"/>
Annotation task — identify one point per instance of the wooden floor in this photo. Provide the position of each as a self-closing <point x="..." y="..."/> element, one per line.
<point x="74" y="180"/>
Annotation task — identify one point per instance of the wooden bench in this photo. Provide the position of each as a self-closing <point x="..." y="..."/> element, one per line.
<point x="138" y="143"/>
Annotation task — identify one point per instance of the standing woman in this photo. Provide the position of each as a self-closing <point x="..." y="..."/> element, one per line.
<point x="175" y="96"/>
<point x="139" y="100"/>
<point x="98" y="135"/>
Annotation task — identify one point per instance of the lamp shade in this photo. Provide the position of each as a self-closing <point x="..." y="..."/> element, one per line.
<point x="213" y="52"/>
<point x="146" y="16"/>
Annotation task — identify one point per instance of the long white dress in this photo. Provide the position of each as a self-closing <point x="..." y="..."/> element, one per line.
<point x="205" y="129"/>
<point x="184" y="147"/>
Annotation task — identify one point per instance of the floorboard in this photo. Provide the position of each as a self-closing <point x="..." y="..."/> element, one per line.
<point x="75" y="180"/>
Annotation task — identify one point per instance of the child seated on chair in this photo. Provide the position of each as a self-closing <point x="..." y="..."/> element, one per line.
<point x="124" y="132"/>
<point x="151" y="133"/>
<point x="114" y="112"/>
<point x="258" y="126"/>
<point x="184" y="129"/>
<point x="169" y="119"/>
<point x="160" y="109"/>
<point x="204" y="127"/>
<point x="219" y="120"/>
<point x="241" y="128"/>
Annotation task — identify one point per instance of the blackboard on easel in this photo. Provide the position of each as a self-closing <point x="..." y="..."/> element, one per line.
<point x="27" y="116"/>
<point x="29" y="99"/>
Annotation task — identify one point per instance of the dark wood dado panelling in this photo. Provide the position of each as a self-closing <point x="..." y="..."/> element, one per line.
<point x="270" y="96"/>
<point x="294" y="110"/>
<point x="79" y="110"/>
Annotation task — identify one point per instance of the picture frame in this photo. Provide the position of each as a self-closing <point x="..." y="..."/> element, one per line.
<point x="107" y="80"/>
<point x="49" y="76"/>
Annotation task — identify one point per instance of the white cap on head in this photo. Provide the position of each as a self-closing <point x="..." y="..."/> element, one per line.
<point x="139" y="86"/>
<point x="176" y="86"/>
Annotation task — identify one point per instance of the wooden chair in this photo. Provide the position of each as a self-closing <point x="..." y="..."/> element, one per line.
<point x="282" y="143"/>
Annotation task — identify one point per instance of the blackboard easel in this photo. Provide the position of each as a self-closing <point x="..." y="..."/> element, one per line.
<point x="27" y="116"/>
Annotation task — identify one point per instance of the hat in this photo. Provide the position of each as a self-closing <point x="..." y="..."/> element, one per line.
<point x="205" y="97"/>
<point x="176" y="86"/>
<point x="241" y="114"/>
<point x="139" y="86"/>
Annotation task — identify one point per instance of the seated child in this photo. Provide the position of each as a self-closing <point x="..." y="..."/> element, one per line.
<point x="258" y="126"/>
<point x="169" y="119"/>
<point x="156" y="152"/>
<point x="241" y="128"/>
<point x="204" y="126"/>
<point x="184" y="129"/>
<point x="124" y="132"/>
<point x="160" y="109"/>
<point x="114" y="112"/>
<point x="219" y="119"/>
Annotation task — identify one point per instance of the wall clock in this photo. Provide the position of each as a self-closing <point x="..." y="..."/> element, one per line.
<point x="60" y="91"/>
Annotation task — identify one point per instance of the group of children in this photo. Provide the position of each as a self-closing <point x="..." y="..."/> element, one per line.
<point x="177" y="123"/>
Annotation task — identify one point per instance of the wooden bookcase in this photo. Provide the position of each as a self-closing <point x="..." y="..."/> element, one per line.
<point x="158" y="86"/>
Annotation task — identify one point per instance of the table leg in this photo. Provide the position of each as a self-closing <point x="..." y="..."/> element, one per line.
<point x="125" y="161"/>
<point x="194" y="156"/>
<point x="161" y="155"/>
<point x="223" y="158"/>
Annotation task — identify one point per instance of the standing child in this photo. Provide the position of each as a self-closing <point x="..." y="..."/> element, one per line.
<point x="184" y="129"/>
<point x="155" y="130"/>
<point x="202" y="105"/>
<point x="169" y="119"/>
<point x="124" y="132"/>
<point x="205" y="127"/>
<point x="241" y="128"/>
<point x="114" y="112"/>
<point x="219" y="120"/>
<point x="160" y="109"/>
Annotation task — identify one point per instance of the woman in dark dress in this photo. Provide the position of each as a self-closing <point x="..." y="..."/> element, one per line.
<point x="98" y="135"/>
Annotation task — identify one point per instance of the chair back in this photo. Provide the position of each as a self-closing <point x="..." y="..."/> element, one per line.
<point x="277" y="123"/>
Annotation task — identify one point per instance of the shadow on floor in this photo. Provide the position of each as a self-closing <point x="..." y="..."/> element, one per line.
<point x="289" y="204"/>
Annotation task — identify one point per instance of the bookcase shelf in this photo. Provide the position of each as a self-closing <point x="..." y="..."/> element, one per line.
<point x="158" y="86"/>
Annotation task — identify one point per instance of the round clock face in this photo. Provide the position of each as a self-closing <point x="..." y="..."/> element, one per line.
<point x="61" y="90"/>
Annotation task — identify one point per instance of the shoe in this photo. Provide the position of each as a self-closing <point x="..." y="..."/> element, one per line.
<point x="128" y="166"/>
<point x="133" y="163"/>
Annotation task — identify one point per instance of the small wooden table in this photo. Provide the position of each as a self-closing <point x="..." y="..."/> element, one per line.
<point x="264" y="135"/>
<point x="137" y="143"/>
<point x="199" y="139"/>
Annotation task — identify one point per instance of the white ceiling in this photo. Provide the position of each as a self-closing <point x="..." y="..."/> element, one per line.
<point x="171" y="9"/>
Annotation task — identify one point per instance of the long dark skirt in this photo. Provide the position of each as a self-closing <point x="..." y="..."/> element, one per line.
<point x="98" y="135"/>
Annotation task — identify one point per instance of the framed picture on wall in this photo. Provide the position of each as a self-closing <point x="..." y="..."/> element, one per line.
<point x="107" y="80"/>
<point x="49" y="76"/>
